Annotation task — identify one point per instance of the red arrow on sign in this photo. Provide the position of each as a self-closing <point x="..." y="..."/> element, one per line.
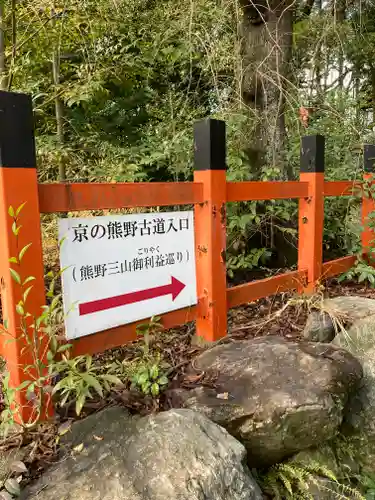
<point x="174" y="289"/>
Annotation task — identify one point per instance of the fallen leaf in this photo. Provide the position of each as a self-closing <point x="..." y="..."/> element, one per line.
<point x="64" y="428"/>
<point x="18" y="466"/>
<point x="98" y="438"/>
<point x="78" y="448"/>
<point x="193" y="379"/>
<point x="223" y="395"/>
<point x="12" y="486"/>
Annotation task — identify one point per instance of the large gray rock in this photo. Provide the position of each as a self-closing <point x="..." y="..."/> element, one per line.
<point x="359" y="340"/>
<point x="176" y="455"/>
<point x="349" y="308"/>
<point x="322" y="325"/>
<point x="276" y="397"/>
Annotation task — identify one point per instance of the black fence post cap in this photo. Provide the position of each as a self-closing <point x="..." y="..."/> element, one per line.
<point x="312" y="154"/>
<point x="369" y="158"/>
<point x="17" y="143"/>
<point x="209" y="145"/>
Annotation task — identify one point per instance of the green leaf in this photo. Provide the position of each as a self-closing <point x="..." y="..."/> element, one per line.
<point x="111" y="378"/>
<point x="93" y="382"/>
<point x="24" y="384"/>
<point x="30" y="389"/>
<point x="23" y="251"/>
<point x="11" y="211"/>
<point x="8" y="341"/>
<point x="88" y="362"/>
<point x="155" y="389"/>
<point x="18" y="211"/>
<point x="142" y="379"/>
<point x="13" y="487"/>
<point x="13" y="260"/>
<point x="79" y="403"/>
<point x="146" y="386"/>
<point x="15" y="276"/>
<point x="154" y="372"/>
<point x="163" y="380"/>
<point x="61" y="385"/>
<point x="28" y="279"/>
<point x="362" y="277"/>
<point x="64" y="347"/>
<point x="20" y="310"/>
<point x="26" y="292"/>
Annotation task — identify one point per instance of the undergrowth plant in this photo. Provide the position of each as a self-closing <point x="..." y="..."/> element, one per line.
<point x="151" y="373"/>
<point x="363" y="270"/>
<point x="296" y="481"/>
<point x="53" y="372"/>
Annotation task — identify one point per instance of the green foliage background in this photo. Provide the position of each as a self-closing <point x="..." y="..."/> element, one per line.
<point x="134" y="75"/>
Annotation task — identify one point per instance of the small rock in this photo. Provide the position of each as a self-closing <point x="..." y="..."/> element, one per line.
<point x="319" y="327"/>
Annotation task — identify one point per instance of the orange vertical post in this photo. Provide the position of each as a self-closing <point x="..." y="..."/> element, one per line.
<point x="18" y="185"/>
<point x="368" y="203"/>
<point x="311" y="211"/>
<point x="210" y="229"/>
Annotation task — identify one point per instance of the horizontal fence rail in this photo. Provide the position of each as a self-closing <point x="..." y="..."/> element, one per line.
<point x="209" y="194"/>
<point x="249" y="292"/>
<point x="342" y="188"/>
<point x="57" y="198"/>
<point x="115" y="337"/>
<point x="54" y="198"/>
<point x="244" y="191"/>
<point x="338" y="266"/>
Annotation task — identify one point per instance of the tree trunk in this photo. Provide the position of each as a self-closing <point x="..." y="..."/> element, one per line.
<point x="373" y="94"/>
<point x="266" y="37"/>
<point x="3" y="74"/>
<point x="59" y="107"/>
<point x="340" y="15"/>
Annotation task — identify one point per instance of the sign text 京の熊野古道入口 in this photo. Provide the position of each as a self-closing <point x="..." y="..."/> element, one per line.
<point x="123" y="268"/>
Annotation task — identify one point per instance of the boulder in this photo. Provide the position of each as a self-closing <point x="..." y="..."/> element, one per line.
<point x="276" y="397"/>
<point x="349" y="308"/>
<point x="173" y="455"/>
<point x="359" y="421"/>
<point x="322" y="325"/>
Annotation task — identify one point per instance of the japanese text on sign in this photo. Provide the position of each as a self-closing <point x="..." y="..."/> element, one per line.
<point x="115" y="229"/>
<point x="121" y="269"/>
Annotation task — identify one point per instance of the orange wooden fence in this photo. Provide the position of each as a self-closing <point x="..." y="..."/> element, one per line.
<point x="209" y="193"/>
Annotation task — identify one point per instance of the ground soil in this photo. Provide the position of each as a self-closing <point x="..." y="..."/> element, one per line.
<point x="283" y="314"/>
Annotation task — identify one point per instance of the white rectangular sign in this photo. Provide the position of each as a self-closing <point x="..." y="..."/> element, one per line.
<point x="124" y="268"/>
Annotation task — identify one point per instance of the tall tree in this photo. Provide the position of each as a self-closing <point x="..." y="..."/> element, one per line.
<point x="266" y="32"/>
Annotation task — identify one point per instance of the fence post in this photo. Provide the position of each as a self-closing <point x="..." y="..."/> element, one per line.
<point x="18" y="185"/>
<point x="210" y="229"/>
<point x="368" y="203"/>
<point x="311" y="211"/>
